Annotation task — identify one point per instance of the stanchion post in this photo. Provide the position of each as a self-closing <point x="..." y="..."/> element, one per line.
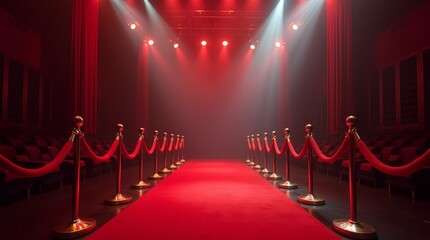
<point x="155" y="176"/>
<point x="257" y="151"/>
<point x="77" y="227"/>
<point x="178" y="161"/>
<point x="248" y="142"/>
<point x="252" y="163"/>
<point x="119" y="198"/>
<point x="172" y="156"/>
<point x="310" y="198"/>
<point x="141" y="184"/>
<point x="274" y="176"/>
<point x="287" y="184"/>
<point x="182" y="149"/>
<point x="351" y="227"/>
<point x="165" y="169"/>
<point x="265" y="170"/>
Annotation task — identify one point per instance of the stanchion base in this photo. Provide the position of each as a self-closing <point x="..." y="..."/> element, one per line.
<point x="247" y="161"/>
<point x="140" y="185"/>
<point x="165" y="170"/>
<point x="183" y="161"/>
<point x="173" y="166"/>
<point x="178" y="163"/>
<point x="156" y="176"/>
<point x="264" y="170"/>
<point x="118" y="199"/>
<point x="288" y="185"/>
<point x="75" y="228"/>
<point x="251" y="163"/>
<point x="274" y="176"/>
<point x="310" y="199"/>
<point x="256" y="166"/>
<point x="353" y="229"/>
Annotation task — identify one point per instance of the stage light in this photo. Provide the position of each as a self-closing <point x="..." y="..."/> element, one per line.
<point x="176" y="45"/>
<point x="252" y="46"/>
<point x="278" y="44"/>
<point x="204" y="43"/>
<point x="295" y="26"/>
<point x="224" y="43"/>
<point x="151" y="42"/>
<point x="133" y="26"/>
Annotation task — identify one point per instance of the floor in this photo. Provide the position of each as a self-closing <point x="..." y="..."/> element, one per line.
<point x="394" y="216"/>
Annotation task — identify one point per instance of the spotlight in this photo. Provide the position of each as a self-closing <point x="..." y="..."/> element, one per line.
<point x="133" y="26"/>
<point x="151" y="42"/>
<point x="278" y="44"/>
<point x="224" y="43"/>
<point x="204" y="43"/>
<point x="176" y="45"/>
<point x="295" y="25"/>
<point x="252" y="46"/>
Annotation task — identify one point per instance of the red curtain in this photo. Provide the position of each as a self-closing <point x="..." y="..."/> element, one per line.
<point x="142" y="87"/>
<point x="339" y="65"/>
<point x="84" y="61"/>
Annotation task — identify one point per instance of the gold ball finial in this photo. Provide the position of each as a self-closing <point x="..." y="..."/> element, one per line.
<point x="351" y="121"/>
<point x="141" y="131"/>
<point x="309" y="128"/>
<point x="155" y="133"/>
<point x="265" y="134"/>
<point x="165" y="134"/>
<point x="120" y="127"/>
<point x="273" y="133"/>
<point x="172" y="135"/>
<point x="78" y="121"/>
<point x="286" y="131"/>
<point x="258" y="135"/>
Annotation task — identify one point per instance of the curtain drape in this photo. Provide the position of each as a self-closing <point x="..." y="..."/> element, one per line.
<point x="339" y="65"/>
<point x="85" y="61"/>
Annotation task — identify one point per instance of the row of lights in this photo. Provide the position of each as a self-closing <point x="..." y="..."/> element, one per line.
<point x="224" y="43"/>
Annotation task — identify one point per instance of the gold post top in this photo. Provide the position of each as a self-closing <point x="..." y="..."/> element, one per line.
<point x="172" y="135"/>
<point x="165" y="134"/>
<point x="177" y="136"/>
<point x="258" y="135"/>
<point x="119" y="127"/>
<point x="78" y="121"/>
<point x="141" y="131"/>
<point x="273" y="133"/>
<point x="309" y="128"/>
<point x="286" y="133"/>
<point x="351" y="121"/>
<point x="155" y="133"/>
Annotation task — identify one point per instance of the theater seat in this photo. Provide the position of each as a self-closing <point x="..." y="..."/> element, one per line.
<point x="367" y="172"/>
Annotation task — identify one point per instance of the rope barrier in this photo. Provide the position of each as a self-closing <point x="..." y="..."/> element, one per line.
<point x="104" y="158"/>
<point x="132" y="155"/>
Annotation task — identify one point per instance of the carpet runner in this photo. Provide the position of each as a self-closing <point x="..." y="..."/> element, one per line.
<point x="214" y="199"/>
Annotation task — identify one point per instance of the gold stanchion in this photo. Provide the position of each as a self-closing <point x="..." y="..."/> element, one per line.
<point x="248" y="145"/>
<point x="119" y="198"/>
<point x="178" y="140"/>
<point x="274" y="176"/>
<point x="172" y="156"/>
<point x="310" y="199"/>
<point x="252" y="163"/>
<point x="287" y="184"/>
<point x="182" y="149"/>
<point x="257" y="150"/>
<point x="77" y="226"/>
<point x="265" y="170"/>
<point x="155" y="176"/>
<point x="141" y="184"/>
<point x="351" y="227"/>
<point x="165" y="169"/>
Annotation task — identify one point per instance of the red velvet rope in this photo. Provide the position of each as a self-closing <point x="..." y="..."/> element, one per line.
<point x="181" y="144"/>
<point x="266" y="145"/>
<point x="105" y="158"/>
<point x="260" y="148"/>
<point x="169" y="149"/>
<point x="177" y="144"/>
<point x="249" y="145"/>
<point x="14" y="171"/>
<point x="163" y="146"/>
<point x="253" y="144"/>
<point x="276" y="147"/>
<point x="293" y="151"/>
<point x="404" y="170"/>
<point x="339" y="153"/>
<point x="150" y="151"/>
<point x="132" y="155"/>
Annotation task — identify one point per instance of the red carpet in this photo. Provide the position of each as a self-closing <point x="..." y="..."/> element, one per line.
<point x="214" y="199"/>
